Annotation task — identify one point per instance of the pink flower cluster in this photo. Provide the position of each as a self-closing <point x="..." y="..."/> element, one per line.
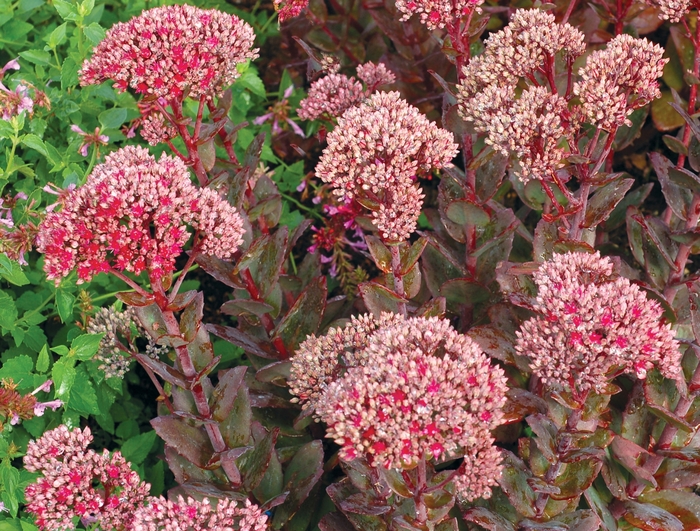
<point x="594" y="326"/>
<point x="540" y="125"/>
<point x="375" y="154"/>
<point x="172" y="50"/>
<point x="673" y="10"/>
<point x="77" y="482"/>
<point x="330" y="96"/>
<point x="192" y="515"/>
<point x="437" y="13"/>
<point x="397" y="390"/>
<point x="132" y="215"/>
<point x="620" y="79"/>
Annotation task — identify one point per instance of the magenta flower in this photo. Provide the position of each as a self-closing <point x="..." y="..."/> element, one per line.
<point x="132" y="215"/>
<point x="593" y="326"/>
<point x="173" y="50"/>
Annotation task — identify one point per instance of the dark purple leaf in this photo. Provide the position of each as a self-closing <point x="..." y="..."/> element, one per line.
<point x="380" y="253"/>
<point x="683" y="505"/>
<point x="602" y="203"/>
<point x="650" y="517"/>
<point x="254" y="464"/>
<point x="277" y="373"/>
<point x="576" y="478"/>
<point x="499" y="345"/>
<point x="242" y="340"/>
<point x="302" y="473"/>
<point x="131" y="298"/>
<point x="335" y="521"/>
<point x="304" y="317"/>
<point x="629" y="455"/>
<point x="163" y="370"/>
<point x="226" y="392"/>
<point x="379" y="298"/>
<point x="488" y="520"/>
<point x="221" y="270"/>
<point x="362" y="503"/>
<point x="189" y="441"/>
<point x="410" y="256"/>
<point x="514" y="483"/>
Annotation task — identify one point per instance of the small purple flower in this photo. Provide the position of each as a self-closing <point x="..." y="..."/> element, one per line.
<point x="279" y="112"/>
<point x="89" y="139"/>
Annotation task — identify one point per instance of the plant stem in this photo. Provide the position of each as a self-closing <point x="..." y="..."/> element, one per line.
<point x="692" y="97"/>
<point x="398" y="276"/>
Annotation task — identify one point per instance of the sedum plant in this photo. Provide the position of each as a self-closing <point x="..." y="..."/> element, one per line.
<point x="485" y="329"/>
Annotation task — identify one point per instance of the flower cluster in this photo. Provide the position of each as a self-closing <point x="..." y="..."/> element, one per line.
<point x="19" y="407"/>
<point x="594" y="326"/>
<point x="375" y="153"/>
<point x="14" y="102"/>
<point x="172" y="50"/>
<point x="227" y="515"/>
<point x="77" y="482"/>
<point x="131" y="215"/>
<point x="398" y="390"/>
<point x="437" y="13"/>
<point x="534" y="126"/>
<point x="119" y="338"/>
<point x="672" y="10"/>
<point x="619" y="79"/>
<point x="330" y="96"/>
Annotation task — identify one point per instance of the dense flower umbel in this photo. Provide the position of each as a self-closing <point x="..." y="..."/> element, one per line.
<point x="413" y="388"/>
<point x="168" y="50"/>
<point x="620" y="79"/>
<point x="377" y="150"/>
<point x="535" y="126"/>
<point x="594" y="326"/>
<point x="321" y="360"/>
<point x="98" y="488"/>
<point x="132" y="215"/>
<point x="673" y="10"/>
<point x="330" y="97"/>
<point x="437" y="13"/>
<point x="192" y="515"/>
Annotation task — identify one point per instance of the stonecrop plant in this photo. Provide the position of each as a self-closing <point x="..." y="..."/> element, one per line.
<point x="348" y="265"/>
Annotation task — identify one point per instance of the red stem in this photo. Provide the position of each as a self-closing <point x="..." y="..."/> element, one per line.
<point x="398" y="276"/>
<point x="265" y="319"/>
<point x="692" y="97"/>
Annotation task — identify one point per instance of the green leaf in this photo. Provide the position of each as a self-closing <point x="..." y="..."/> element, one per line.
<point x="38" y="57"/>
<point x="69" y="73"/>
<point x="379" y="298"/>
<point x="63" y="375"/>
<point x="112" y="118"/>
<point x="43" y="361"/>
<point x="250" y="80"/>
<point x="84" y="347"/>
<point x="57" y="36"/>
<point x="64" y="304"/>
<point x="136" y="448"/>
<point x="35" y="338"/>
<point x="32" y="141"/>
<point x="19" y="368"/>
<point x="9" y="479"/>
<point x="83" y="398"/>
<point x="65" y="9"/>
<point x="605" y="200"/>
<point x="12" y="271"/>
<point x="94" y="32"/>
<point x="8" y="311"/>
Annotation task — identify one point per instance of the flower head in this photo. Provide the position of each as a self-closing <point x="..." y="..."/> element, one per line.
<point x="377" y="150"/>
<point x="132" y="215"/>
<point x="374" y="76"/>
<point x="330" y="97"/>
<point x="226" y="515"/>
<point x="620" y="79"/>
<point x="672" y="10"/>
<point x="594" y="326"/>
<point x="167" y="51"/>
<point x="437" y="13"/>
<point x="402" y="389"/>
<point x="77" y="482"/>
<point x="287" y="9"/>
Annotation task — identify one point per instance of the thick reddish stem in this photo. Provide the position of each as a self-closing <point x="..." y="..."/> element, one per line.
<point x="265" y="319"/>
